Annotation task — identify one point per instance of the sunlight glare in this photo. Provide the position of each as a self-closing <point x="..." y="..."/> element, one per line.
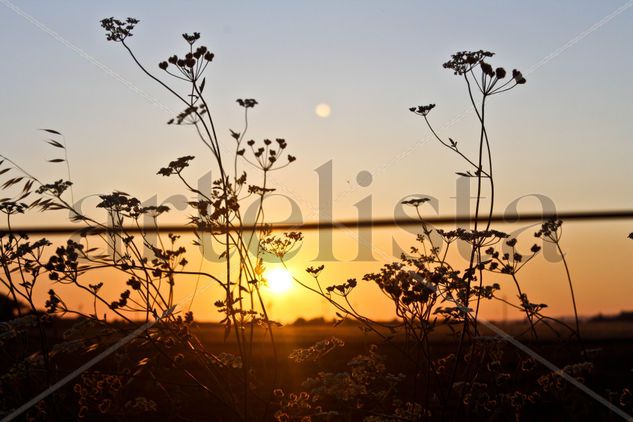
<point x="279" y="280"/>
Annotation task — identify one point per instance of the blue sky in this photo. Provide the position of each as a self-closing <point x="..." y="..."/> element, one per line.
<point x="369" y="60"/>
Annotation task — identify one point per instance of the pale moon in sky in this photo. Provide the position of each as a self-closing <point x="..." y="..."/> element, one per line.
<point x="279" y="280"/>
<point x="322" y="110"/>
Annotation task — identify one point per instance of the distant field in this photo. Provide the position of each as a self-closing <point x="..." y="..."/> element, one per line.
<point x="304" y="334"/>
<point x="611" y="344"/>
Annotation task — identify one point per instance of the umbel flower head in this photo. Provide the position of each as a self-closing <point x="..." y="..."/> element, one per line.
<point x="192" y="64"/>
<point x="422" y="110"/>
<point x="247" y="102"/>
<point x="118" y="30"/>
<point x="463" y="61"/>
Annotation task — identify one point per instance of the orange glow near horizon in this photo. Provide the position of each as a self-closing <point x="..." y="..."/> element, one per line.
<point x="598" y="273"/>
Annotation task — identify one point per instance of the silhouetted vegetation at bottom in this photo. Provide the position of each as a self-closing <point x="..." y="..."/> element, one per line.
<point x="351" y="366"/>
<point x="437" y="360"/>
<point x="10" y="308"/>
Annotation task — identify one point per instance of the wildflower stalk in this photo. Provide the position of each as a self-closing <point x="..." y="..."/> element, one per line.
<point x="551" y="231"/>
<point x="571" y="288"/>
<point x="464" y="64"/>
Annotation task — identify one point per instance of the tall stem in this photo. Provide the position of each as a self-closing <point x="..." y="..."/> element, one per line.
<point x="571" y="287"/>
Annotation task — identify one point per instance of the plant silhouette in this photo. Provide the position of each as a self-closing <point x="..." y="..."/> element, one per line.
<point x="172" y="372"/>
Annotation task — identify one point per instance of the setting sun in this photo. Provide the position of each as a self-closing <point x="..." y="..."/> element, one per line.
<point x="279" y="280"/>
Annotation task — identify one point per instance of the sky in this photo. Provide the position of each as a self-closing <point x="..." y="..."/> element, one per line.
<point x="565" y="134"/>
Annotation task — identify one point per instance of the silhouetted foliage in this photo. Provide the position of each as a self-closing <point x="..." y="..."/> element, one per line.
<point x="161" y="368"/>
